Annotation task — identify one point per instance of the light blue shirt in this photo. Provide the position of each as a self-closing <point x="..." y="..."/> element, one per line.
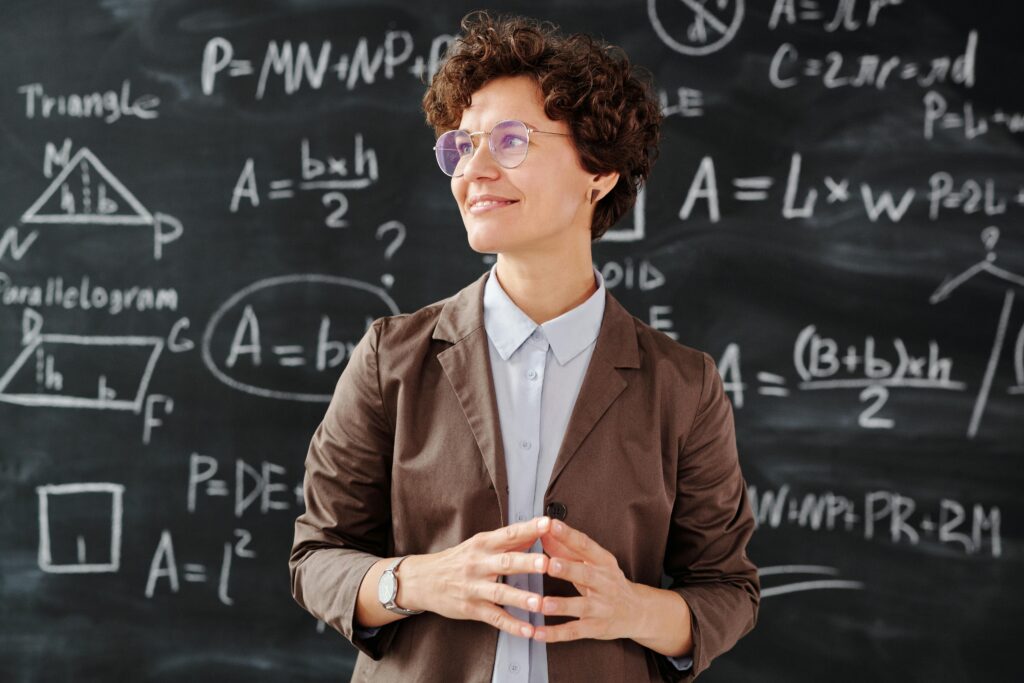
<point x="537" y="372"/>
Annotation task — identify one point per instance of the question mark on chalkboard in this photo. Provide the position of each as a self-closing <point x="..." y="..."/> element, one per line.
<point x="396" y="226"/>
<point x="989" y="236"/>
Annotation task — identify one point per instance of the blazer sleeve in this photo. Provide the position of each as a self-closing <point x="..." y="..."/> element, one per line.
<point x="347" y="521"/>
<point x="712" y="522"/>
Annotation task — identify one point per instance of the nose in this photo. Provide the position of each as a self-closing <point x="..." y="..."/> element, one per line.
<point x="481" y="163"/>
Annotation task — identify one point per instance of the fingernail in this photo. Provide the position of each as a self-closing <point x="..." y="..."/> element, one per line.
<point x="543" y="521"/>
<point x="539" y="563"/>
<point x="532" y="602"/>
<point x="525" y="631"/>
<point x="556" y="565"/>
<point x="539" y="634"/>
<point x="557" y="526"/>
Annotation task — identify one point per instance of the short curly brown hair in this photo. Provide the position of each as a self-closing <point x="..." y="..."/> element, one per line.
<point x="610" y="106"/>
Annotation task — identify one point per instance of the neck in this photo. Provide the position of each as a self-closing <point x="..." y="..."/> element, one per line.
<point x="546" y="286"/>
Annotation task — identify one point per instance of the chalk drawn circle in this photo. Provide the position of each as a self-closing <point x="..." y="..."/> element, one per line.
<point x="703" y="17"/>
<point x="237" y="297"/>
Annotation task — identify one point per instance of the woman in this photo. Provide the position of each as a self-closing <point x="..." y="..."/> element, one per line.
<point x="504" y="477"/>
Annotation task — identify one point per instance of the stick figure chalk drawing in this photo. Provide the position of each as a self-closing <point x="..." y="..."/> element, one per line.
<point x="706" y="28"/>
<point x="990" y="236"/>
<point x="85" y="192"/>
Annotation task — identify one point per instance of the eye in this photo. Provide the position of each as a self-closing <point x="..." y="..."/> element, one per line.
<point x="510" y="141"/>
<point x="465" y="147"/>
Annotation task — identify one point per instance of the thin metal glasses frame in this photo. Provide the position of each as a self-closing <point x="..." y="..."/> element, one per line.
<point x="499" y="156"/>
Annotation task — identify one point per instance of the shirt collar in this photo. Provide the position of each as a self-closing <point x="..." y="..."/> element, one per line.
<point x="569" y="334"/>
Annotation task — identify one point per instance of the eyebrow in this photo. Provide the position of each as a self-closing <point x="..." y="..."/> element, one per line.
<point x="528" y="124"/>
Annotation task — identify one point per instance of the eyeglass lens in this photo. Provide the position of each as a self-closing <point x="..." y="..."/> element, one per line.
<point x="508" y="142"/>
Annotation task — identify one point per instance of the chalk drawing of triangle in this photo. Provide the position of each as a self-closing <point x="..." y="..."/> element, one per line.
<point x="86" y="192"/>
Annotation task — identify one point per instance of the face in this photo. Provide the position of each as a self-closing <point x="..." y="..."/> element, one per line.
<point x="541" y="205"/>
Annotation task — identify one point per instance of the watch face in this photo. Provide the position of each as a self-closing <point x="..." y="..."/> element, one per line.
<point x="386" y="588"/>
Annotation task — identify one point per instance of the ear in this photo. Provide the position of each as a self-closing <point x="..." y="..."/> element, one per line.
<point x="602" y="184"/>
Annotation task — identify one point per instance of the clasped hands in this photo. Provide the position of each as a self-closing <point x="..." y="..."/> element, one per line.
<point x="468" y="587"/>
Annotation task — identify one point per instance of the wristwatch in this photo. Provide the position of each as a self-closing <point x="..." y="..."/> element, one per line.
<point x="387" y="589"/>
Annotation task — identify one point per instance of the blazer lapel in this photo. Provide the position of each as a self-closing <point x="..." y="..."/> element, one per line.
<point x="467" y="365"/>
<point x="603" y="382"/>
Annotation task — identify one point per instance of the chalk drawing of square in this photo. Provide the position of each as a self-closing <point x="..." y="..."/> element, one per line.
<point x="113" y="563"/>
<point x="21" y="372"/>
<point x="635" y="233"/>
<point x="87" y="190"/>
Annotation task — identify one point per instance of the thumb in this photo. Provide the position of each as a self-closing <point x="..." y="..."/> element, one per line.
<point x="555" y="548"/>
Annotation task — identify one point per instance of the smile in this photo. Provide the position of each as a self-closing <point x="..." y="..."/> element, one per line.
<point x="489" y="205"/>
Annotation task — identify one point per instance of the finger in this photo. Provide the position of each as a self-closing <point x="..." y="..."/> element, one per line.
<point x="516" y="535"/>
<point x="517" y="563"/>
<point x="508" y="596"/>
<point x="569" y="607"/>
<point x="577" y="572"/>
<point x="529" y="544"/>
<point x="580" y="543"/>
<point x="555" y="548"/>
<point x="502" y="620"/>
<point x="570" y="630"/>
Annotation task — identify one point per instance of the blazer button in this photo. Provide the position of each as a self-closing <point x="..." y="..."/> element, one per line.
<point x="556" y="510"/>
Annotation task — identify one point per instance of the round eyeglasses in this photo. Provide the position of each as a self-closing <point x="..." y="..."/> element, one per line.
<point x="508" y="142"/>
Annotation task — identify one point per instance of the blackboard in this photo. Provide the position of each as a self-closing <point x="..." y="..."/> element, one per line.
<point x="205" y="203"/>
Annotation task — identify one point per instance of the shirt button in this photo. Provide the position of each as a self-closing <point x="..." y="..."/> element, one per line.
<point x="514" y="668"/>
<point x="525" y="444"/>
<point x="532" y="374"/>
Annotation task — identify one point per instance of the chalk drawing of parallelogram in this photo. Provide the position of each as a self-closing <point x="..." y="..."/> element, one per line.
<point x="22" y="381"/>
<point x="86" y="493"/>
<point x="85" y="191"/>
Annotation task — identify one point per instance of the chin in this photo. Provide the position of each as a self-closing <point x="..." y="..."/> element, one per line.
<point x="486" y="248"/>
<point x="485" y="240"/>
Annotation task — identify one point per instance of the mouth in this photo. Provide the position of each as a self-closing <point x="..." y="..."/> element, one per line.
<point x="488" y="205"/>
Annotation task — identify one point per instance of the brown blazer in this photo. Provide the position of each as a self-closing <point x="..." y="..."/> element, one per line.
<point x="409" y="459"/>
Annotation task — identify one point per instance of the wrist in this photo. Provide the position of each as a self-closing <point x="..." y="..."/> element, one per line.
<point x="640" y="600"/>
<point x="663" y="621"/>
<point x="411" y="578"/>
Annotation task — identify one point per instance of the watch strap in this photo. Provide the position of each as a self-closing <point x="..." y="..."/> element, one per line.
<point x="391" y="606"/>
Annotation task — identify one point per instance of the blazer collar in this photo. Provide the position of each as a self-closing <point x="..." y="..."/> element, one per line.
<point x="463" y="314"/>
<point x="467" y="365"/>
